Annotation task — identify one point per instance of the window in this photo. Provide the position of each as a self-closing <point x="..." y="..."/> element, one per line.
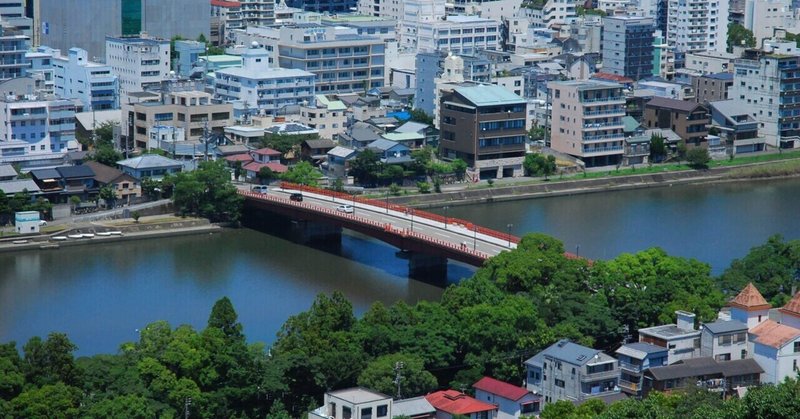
<point x="796" y="347"/>
<point x="559" y="383"/>
<point x="347" y="413"/>
<point x="382" y="410"/>
<point x="725" y="339"/>
<point x="744" y="353"/>
<point x="366" y="413"/>
<point x="723" y="357"/>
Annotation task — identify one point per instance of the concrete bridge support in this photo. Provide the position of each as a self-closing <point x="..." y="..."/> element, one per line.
<point x="314" y="233"/>
<point x="427" y="268"/>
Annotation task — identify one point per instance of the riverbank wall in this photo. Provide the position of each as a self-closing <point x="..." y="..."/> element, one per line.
<point x="573" y="186"/>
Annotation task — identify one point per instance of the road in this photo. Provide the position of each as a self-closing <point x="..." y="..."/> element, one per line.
<point x="438" y="230"/>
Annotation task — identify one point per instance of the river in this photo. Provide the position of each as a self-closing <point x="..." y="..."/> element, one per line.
<point x="100" y="295"/>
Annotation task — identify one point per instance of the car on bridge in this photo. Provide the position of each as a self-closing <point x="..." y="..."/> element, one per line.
<point x="260" y="189"/>
<point x="296" y="197"/>
<point x="345" y="208"/>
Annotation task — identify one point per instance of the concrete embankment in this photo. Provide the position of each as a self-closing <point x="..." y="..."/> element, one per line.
<point x="132" y="231"/>
<point x="556" y="187"/>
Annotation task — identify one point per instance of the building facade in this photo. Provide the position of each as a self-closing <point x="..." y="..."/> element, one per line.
<point x="688" y="119"/>
<point x="14" y="44"/>
<point x="138" y="63"/>
<point x="587" y="120"/>
<point x="697" y="25"/>
<point x="93" y="84"/>
<point x="628" y="46"/>
<point x="34" y="129"/>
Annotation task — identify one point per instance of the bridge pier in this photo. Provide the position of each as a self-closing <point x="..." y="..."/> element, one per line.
<point x="315" y="233"/>
<point x="427" y="268"/>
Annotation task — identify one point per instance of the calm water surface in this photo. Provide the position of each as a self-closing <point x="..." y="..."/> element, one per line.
<point x="99" y="295"/>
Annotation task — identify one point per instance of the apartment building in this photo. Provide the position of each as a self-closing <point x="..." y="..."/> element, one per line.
<point x="628" y="46"/>
<point x="484" y="125"/>
<point x="697" y="25"/>
<point x="549" y="13"/>
<point x="636" y="358"/>
<point x="138" y="63"/>
<point x="688" y="119"/>
<point x="193" y="112"/>
<point x="389" y="9"/>
<point x="712" y="87"/>
<point x="36" y="130"/>
<point x="341" y="60"/>
<point x="459" y="34"/>
<point x="325" y="115"/>
<point x="762" y="17"/>
<point x="14" y="44"/>
<point x="263" y="89"/>
<point x="768" y="84"/>
<point x="710" y="62"/>
<point x="13" y="13"/>
<point x="681" y="339"/>
<point x="225" y="17"/>
<point x="572" y="372"/>
<point x="76" y="77"/>
<point x="354" y="402"/>
<point x="323" y="6"/>
<point x="586" y="120"/>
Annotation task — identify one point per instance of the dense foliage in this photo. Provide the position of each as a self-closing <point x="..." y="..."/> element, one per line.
<point x="207" y="192"/>
<point x="517" y="304"/>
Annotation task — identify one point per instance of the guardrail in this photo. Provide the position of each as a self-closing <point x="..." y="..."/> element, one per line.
<point x="386" y="227"/>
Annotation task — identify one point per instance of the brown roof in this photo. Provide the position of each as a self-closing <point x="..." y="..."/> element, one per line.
<point x="774" y="334"/>
<point x="792" y="308"/>
<point x="749" y="299"/>
<point x="104" y="174"/>
<point x="674" y="104"/>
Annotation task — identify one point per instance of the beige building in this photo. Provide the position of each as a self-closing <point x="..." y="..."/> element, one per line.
<point x="192" y="111"/>
<point x="587" y="120"/>
<point x="326" y="115"/>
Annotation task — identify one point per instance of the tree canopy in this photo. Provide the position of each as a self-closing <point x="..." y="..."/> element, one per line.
<point x="739" y="36"/>
<point x="207" y="192"/>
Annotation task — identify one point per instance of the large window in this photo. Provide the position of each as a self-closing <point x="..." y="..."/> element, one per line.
<point x="559" y="383"/>
<point x="131" y="17"/>
<point x="382" y="411"/>
<point x="366" y="413"/>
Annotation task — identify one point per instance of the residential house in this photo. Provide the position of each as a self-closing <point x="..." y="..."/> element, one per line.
<point x="391" y="152"/>
<point x="776" y="347"/>
<point x="11" y="187"/>
<point x="735" y="124"/>
<point x="125" y="186"/>
<point x="77" y="181"/>
<point x="724" y="340"/>
<point x="414" y="408"/>
<point x="749" y="307"/>
<point x="359" y="135"/>
<point x="568" y="371"/>
<point x="637" y="150"/>
<point x="512" y="401"/>
<point x="325" y="115"/>
<point x="408" y="139"/>
<point x="316" y="150"/>
<point x="703" y="373"/>
<point x="450" y="403"/>
<point x="636" y="358"/>
<point x="264" y="157"/>
<point x="151" y="166"/>
<point x="681" y="339"/>
<point x="712" y="87"/>
<point x="354" y="403"/>
<point x="430" y="134"/>
<point x="688" y="119"/>
<point x="7" y="172"/>
<point x="338" y="163"/>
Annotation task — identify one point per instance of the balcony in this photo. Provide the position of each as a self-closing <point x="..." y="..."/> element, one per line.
<point x="627" y="366"/>
<point x="604" y="112"/>
<point x="604" y="125"/>
<point x="604" y="99"/>
<point x="601" y="151"/>
<point x="603" y="375"/>
<point x="627" y="385"/>
<point x="604" y="137"/>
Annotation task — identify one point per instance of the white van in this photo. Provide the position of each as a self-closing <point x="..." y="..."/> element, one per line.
<point x="260" y="189"/>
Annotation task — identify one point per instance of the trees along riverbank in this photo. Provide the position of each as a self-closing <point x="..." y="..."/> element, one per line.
<point x="517" y="304"/>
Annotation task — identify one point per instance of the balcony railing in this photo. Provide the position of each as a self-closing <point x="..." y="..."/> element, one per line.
<point x="629" y="385"/>
<point x="602" y="149"/>
<point x="603" y="374"/>
<point x="604" y="137"/>
<point x="604" y="99"/>
<point x="630" y="367"/>
<point x="604" y="112"/>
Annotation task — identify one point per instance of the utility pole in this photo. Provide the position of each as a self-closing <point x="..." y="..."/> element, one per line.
<point x="205" y="137"/>
<point x="398" y="375"/>
<point x="186" y="403"/>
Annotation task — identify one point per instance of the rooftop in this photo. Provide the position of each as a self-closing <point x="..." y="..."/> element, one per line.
<point x="148" y="161"/>
<point x="266" y="151"/>
<point x="586" y="84"/>
<point x="500" y="388"/>
<point x="412" y="407"/>
<point x="668" y="331"/>
<point x="261" y="73"/>
<point x="358" y="395"/>
<point x="74" y="172"/>
<point x="792" y="308"/>
<point x="468" y="19"/>
<point x="695" y="367"/>
<point x="340" y="151"/>
<point x="566" y="351"/>
<point x="720" y="76"/>
<point x="774" y="334"/>
<point x="7" y="170"/>
<point x="10" y="187"/>
<point x="487" y="95"/>
<point x="750" y="299"/>
<point x="457" y="403"/>
<point x="674" y="104"/>
<point x="725" y="326"/>
<point x="640" y="350"/>
<point x="103" y="173"/>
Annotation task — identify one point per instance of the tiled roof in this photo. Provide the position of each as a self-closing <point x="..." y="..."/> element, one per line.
<point x="457" y="403"/>
<point x="266" y="151"/>
<point x="256" y="166"/>
<point x="674" y="104"/>
<point x="487" y="95"/>
<point x="792" y="308"/>
<point x="73" y="172"/>
<point x="7" y="170"/>
<point x="244" y="157"/>
<point x="725" y="326"/>
<point x="774" y="334"/>
<point x="750" y="299"/>
<point x="10" y="187"/>
<point x="102" y="173"/>
<point x="500" y="388"/>
<point x="149" y="161"/>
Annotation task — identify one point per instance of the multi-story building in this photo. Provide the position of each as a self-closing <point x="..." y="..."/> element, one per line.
<point x="681" y="339"/>
<point x="193" y="112"/>
<point x="484" y="125"/>
<point x="512" y="401"/>
<point x="225" y="16"/>
<point x="76" y="77"/>
<point x="762" y="17"/>
<point x="769" y="86"/>
<point x="322" y="6"/>
<point x="724" y="340"/>
<point x="547" y="13"/>
<point x="712" y="87"/>
<point x="86" y="23"/>
<point x="138" y="62"/>
<point x="40" y="66"/>
<point x="13" y="13"/>
<point x="365" y="25"/>
<point x="663" y="59"/>
<point x="256" y="12"/>
<point x="263" y="89"/>
<point x="325" y="115"/>
<point x="587" y="120"/>
<point x="341" y="60"/>
<point x="389" y="9"/>
<point x="736" y="126"/>
<point x="688" y="119"/>
<point x="697" y="25"/>
<point x="710" y="62"/>
<point x="572" y="372"/>
<point x="35" y="130"/>
<point x="187" y="54"/>
<point x="354" y="403"/>
<point x="459" y="34"/>
<point x="636" y="358"/>
<point x="13" y="44"/>
<point x="628" y="46"/>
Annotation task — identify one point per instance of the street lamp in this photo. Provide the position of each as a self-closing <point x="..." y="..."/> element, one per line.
<point x="508" y="226"/>
<point x="445" y="217"/>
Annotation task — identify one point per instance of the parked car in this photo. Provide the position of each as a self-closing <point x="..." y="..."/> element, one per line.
<point x="296" y="197"/>
<point x="42" y="223"/>
<point x="260" y="189"/>
<point x="345" y="208"/>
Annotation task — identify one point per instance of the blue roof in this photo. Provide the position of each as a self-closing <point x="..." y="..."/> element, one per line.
<point x="566" y="351"/>
<point x="720" y="76"/>
<point x="489" y="94"/>
<point x="725" y="326"/>
<point x="384" y="144"/>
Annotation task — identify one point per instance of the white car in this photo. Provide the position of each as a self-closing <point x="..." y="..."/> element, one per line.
<point x="260" y="189"/>
<point x="42" y="223"/>
<point x="345" y="208"/>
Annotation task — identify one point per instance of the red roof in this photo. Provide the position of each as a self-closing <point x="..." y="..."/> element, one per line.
<point x="749" y="299"/>
<point x="239" y="157"/>
<point x="266" y="151"/>
<point x="256" y="166"/>
<point x="225" y="3"/>
<point x="611" y="77"/>
<point x="792" y="308"/>
<point x="774" y="334"/>
<point x="500" y="388"/>
<point x="457" y="403"/>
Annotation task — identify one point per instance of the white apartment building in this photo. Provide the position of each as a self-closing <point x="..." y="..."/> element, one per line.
<point x="710" y="62"/>
<point x="415" y="13"/>
<point x="459" y="34"/>
<point x="34" y="129"/>
<point x="93" y="84"/>
<point x="550" y="13"/>
<point x="390" y="9"/>
<point x="257" y="12"/>
<point x="138" y="62"/>
<point x="763" y="16"/>
<point x="587" y="120"/>
<point x="263" y="89"/>
<point x="325" y="115"/>
<point x="697" y="25"/>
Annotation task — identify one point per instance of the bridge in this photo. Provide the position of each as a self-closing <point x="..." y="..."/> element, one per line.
<point x="427" y="239"/>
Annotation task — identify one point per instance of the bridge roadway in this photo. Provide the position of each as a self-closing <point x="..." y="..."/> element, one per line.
<point x="402" y="227"/>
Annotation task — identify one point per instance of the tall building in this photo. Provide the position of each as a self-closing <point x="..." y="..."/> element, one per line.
<point x="225" y="16"/>
<point x="76" y="77"/>
<point x="137" y="62"/>
<point x="64" y="24"/>
<point x="546" y="13"/>
<point x="762" y="17"/>
<point x="257" y="12"/>
<point x="484" y="125"/>
<point x="13" y="13"/>
<point x="697" y="25"/>
<point x="460" y="34"/>
<point x="768" y="86"/>
<point x="35" y="130"/>
<point x="587" y="120"/>
<point x="321" y="6"/>
<point x="628" y="46"/>
<point x="13" y="44"/>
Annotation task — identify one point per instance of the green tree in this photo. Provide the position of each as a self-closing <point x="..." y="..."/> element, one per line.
<point x="151" y="188"/>
<point x="536" y="164"/>
<point x="265" y="174"/>
<point x="379" y="375"/>
<point x="424" y="187"/>
<point x="51" y="361"/>
<point x="12" y="378"/>
<point x="108" y="194"/>
<point x="303" y="173"/>
<point x="418" y="115"/>
<point x="208" y="192"/>
<point x="658" y="149"/>
<point x="365" y="167"/>
<point x="773" y="267"/>
<point x="698" y="158"/>
<point x="286" y="143"/>
<point x="738" y="35"/>
<point x="104" y="134"/>
<point x="422" y="160"/>
<point x="123" y="406"/>
<point x="224" y="318"/>
<point x="51" y="400"/>
<point x="106" y="155"/>
<point x="459" y="167"/>
<point x="559" y="410"/>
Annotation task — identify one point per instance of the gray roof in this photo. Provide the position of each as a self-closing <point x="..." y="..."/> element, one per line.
<point x="487" y="95"/>
<point x="732" y="108"/>
<point x="725" y="326"/>
<point x="412" y="407"/>
<point x="228" y="150"/>
<point x="11" y="187"/>
<point x="342" y="152"/>
<point x="383" y="144"/>
<point x="42" y="174"/>
<point x="669" y="135"/>
<point x="7" y="170"/>
<point x="668" y="331"/>
<point x="148" y="161"/>
<point x="412" y="126"/>
<point x="73" y="172"/>
<point x="631" y="124"/>
<point x="695" y="367"/>
<point x="289" y="128"/>
<point x="567" y="351"/>
<point x="323" y="143"/>
<point x="640" y="350"/>
<point x="740" y="367"/>
<point x="674" y="104"/>
<point x="358" y="395"/>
